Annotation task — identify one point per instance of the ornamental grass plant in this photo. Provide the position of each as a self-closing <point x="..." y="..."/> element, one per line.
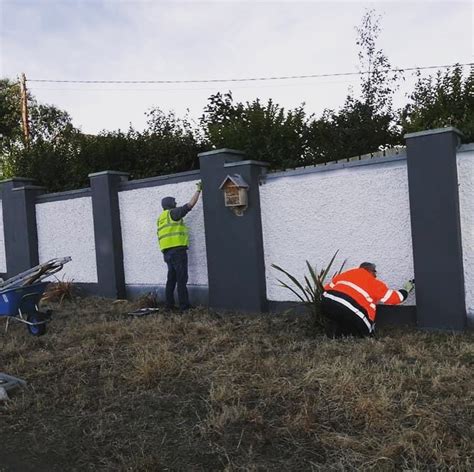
<point x="310" y="290"/>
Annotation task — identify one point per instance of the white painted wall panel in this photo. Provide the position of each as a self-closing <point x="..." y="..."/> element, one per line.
<point x="3" y="258"/>
<point x="361" y="211"/>
<point x="66" y="228"/>
<point x="466" y="202"/>
<point x="139" y="210"/>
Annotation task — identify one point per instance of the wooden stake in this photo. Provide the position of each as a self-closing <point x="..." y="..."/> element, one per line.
<point x="24" y="110"/>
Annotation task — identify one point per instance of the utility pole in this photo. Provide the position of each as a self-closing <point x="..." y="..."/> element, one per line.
<point x="24" y="110"/>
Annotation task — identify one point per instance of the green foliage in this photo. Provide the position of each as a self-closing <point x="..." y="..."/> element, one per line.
<point x="446" y="99"/>
<point x="10" y="125"/>
<point x="310" y="291"/>
<point x="49" y="158"/>
<point x="60" y="157"/>
<point x="51" y="163"/>
<point x="167" y="145"/>
<point x="378" y="82"/>
<point x="264" y="131"/>
<point x="354" y="130"/>
<point x="47" y="122"/>
<point x="10" y="115"/>
<point x="362" y="124"/>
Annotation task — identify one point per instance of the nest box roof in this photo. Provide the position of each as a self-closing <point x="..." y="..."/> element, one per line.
<point x="235" y="179"/>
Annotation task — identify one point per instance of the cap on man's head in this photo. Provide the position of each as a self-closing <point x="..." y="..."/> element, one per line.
<point x="368" y="266"/>
<point x="168" y="203"/>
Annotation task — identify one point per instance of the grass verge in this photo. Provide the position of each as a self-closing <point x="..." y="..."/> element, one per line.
<point x="201" y="392"/>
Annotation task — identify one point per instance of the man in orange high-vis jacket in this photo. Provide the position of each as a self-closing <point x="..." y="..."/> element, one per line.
<point x="349" y="300"/>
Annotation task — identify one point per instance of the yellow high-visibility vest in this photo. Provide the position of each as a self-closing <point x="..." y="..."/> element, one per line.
<point x="171" y="233"/>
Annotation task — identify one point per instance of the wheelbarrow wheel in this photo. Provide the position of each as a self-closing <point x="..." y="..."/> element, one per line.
<point x="38" y="329"/>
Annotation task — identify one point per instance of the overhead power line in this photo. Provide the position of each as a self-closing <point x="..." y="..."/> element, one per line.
<point x="180" y="87"/>
<point x="248" y="79"/>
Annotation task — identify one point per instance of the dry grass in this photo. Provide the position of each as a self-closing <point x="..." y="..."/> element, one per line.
<point x="199" y="392"/>
<point x="59" y="291"/>
<point x="150" y="300"/>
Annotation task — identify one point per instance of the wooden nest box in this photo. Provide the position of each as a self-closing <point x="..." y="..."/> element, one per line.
<point x="235" y="193"/>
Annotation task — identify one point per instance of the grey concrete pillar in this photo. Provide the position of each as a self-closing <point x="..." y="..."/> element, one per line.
<point x="19" y="223"/>
<point x="234" y="244"/>
<point x="436" y="228"/>
<point x="108" y="233"/>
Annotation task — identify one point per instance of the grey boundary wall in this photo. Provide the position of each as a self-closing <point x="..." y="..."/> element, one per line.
<point x="237" y="242"/>
<point x="436" y="228"/>
<point x="19" y="223"/>
<point x="234" y="244"/>
<point x="386" y="315"/>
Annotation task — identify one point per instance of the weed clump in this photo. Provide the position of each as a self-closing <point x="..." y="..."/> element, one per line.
<point x="58" y="292"/>
<point x="149" y="300"/>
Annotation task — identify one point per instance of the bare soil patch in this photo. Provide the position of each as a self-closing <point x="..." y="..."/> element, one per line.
<point x="203" y="392"/>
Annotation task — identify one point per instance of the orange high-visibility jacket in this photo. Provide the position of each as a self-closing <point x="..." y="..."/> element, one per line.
<point x="361" y="287"/>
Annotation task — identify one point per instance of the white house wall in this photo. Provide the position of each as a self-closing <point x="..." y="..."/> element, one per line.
<point x="3" y="258"/>
<point x="143" y="261"/>
<point x="466" y="202"/>
<point x="66" y="228"/>
<point x="362" y="211"/>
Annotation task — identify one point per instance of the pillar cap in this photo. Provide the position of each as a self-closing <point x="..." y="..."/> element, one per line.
<point x="108" y="172"/>
<point x="29" y="187"/>
<point x="221" y="151"/>
<point x="429" y="132"/>
<point x="17" y="179"/>
<point x="246" y="163"/>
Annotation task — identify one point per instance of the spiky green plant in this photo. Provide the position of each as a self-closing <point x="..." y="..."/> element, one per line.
<point x="310" y="291"/>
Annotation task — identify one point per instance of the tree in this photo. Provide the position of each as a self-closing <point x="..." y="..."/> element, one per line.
<point x="10" y="122"/>
<point x="365" y="123"/>
<point x="446" y="99"/>
<point x="60" y="157"/>
<point x="10" y="115"/>
<point x="263" y="131"/>
<point x="52" y="140"/>
<point x="167" y="145"/>
<point x="352" y="131"/>
<point x="173" y="143"/>
<point x="378" y="81"/>
<point x="47" y="122"/>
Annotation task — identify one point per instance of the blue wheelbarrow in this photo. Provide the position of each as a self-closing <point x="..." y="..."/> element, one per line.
<point x="21" y="304"/>
<point x="20" y="296"/>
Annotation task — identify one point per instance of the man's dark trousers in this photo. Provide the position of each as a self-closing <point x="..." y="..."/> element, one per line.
<point x="177" y="261"/>
<point x="341" y="321"/>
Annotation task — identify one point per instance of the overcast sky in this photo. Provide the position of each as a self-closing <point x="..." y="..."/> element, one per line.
<point x="187" y="40"/>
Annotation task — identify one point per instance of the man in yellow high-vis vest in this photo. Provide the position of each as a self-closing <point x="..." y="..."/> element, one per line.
<point x="173" y="238"/>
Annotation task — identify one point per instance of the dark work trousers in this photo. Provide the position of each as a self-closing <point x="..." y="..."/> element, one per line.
<point x="342" y="321"/>
<point x="177" y="261"/>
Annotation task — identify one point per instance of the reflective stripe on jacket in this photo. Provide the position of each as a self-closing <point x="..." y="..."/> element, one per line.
<point x="366" y="290"/>
<point x="171" y="233"/>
